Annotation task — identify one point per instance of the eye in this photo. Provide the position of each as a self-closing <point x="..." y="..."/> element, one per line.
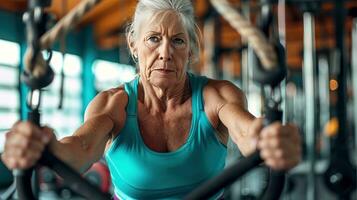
<point x="178" y="41"/>
<point x="153" y="39"/>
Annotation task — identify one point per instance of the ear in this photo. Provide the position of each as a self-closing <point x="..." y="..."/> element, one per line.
<point x="131" y="44"/>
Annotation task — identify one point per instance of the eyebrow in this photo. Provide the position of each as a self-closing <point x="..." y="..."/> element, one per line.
<point x="157" y="33"/>
<point x="154" y="32"/>
<point x="177" y="34"/>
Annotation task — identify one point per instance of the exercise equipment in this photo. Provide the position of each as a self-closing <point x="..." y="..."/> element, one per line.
<point x="37" y="75"/>
<point x="268" y="75"/>
<point x="99" y="175"/>
<point x="36" y="83"/>
<point x="309" y="72"/>
<point x="6" y="182"/>
<point x="340" y="176"/>
<point x="354" y="80"/>
<point x="36" y="86"/>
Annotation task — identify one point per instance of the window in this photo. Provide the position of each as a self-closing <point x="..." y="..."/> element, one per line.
<point x="9" y="83"/>
<point x="109" y="74"/>
<point x="66" y="120"/>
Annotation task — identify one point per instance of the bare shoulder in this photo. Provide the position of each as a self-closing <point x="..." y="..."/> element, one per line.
<point x="110" y="102"/>
<point x="217" y="94"/>
<point x="223" y="91"/>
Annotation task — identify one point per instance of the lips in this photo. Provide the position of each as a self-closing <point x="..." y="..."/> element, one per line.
<point x="164" y="70"/>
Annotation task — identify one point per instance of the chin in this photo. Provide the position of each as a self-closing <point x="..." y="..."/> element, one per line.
<point x="163" y="82"/>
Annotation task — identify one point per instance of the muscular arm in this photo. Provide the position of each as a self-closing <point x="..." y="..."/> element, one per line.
<point x="279" y="145"/>
<point x="104" y="118"/>
<point x="230" y="108"/>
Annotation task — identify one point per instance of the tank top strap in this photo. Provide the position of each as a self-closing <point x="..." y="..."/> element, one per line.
<point x="197" y="84"/>
<point x="131" y="88"/>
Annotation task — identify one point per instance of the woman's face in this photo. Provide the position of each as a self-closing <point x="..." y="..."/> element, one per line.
<point x="163" y="50"/>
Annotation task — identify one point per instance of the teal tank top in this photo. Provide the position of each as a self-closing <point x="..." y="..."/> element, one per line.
<point x="138" y="172"/>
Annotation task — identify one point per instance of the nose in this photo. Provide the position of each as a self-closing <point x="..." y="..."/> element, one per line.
<point x="165" y="51"/>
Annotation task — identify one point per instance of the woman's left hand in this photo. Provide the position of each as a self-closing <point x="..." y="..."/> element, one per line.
<point x="280" y="146"/>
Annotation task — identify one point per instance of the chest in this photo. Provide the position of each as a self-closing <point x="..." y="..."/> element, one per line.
<point x="165" y="132"/>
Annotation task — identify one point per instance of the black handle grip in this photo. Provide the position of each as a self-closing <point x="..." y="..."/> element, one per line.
<point x="275" y="186"/>
<point x="239" y="168"/>
<point x="71" y="178"/>
<point x="23" y="177"/>
<point x="227" y="177"/>
<point x="276" y="178"/>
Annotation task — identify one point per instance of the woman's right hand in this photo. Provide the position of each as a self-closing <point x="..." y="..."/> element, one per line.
<point x="24" y="145"/>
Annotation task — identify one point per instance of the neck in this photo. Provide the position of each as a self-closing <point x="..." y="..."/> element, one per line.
<point x="159" y="100"/>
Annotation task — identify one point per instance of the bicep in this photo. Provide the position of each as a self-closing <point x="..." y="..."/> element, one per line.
<point x="104" y="116"/>
<point x="232" y="111"/>
<point x="94" y="134"/>
<point x="110" y="107"/>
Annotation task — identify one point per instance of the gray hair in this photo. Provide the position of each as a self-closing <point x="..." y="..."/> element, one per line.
<point x="184" y="8"/>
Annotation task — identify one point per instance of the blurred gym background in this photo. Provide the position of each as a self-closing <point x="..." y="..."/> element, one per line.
<point x="319" y="93"/>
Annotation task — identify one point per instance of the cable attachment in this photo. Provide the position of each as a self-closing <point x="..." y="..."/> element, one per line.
<point x="42" y="74"/>
<point x="274" y="76"/>
<point x="37" y="73"/>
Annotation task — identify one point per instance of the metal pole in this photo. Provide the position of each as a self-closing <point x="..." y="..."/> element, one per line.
<point x="282" y="40"/>
<point x="354" y="81"/>
<point x="244" y="58"/>
<point x="324" y="98"/>
<point x="309" y="87"/>
<point x="243" y="183"/>
<point x="340" y="142"/>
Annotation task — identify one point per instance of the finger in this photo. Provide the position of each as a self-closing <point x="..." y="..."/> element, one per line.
<point x="10" y="163"/>
<point x="281" y="150"/>
<point x="28" y="129"/>
<point x="278" y="130"/>
<point x="18" y="158"/>
<point x="22" y="142"/>
<point x="282" y="164"/>
<point x="277" y="143"/>
<point x="281" y="157"/>
<point x="17" y="150"/>
<point x="6" y="161"/>
<point x="25" y="163"/>
<point x="278" y="154"/>
<point x="294" y="132"/>
<point x="278" y="137"/>
<point x="49" y="133"/>
<point x="273" y="130"/>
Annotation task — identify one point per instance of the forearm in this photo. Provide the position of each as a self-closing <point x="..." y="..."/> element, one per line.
<point x="238" y="121"/>
<point x="245" y="144"/>
<point x="86" y="145"/>
<point x="74" y="153"/>
<point x="248" y="142"/>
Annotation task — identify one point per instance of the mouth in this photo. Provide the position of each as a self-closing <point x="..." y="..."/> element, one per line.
<point x="165" y="71"/>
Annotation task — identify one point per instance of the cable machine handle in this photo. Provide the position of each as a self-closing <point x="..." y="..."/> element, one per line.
<point x="23" y="177"/>
<point x="276" y="178"/>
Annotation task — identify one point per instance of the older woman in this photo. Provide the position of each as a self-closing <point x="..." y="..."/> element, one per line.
<point x="165" y="132"/>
